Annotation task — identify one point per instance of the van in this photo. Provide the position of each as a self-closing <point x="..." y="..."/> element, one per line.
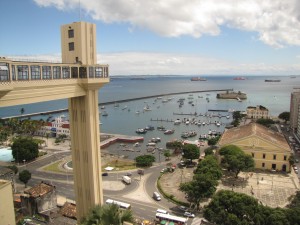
<point x="162" y="211"/>
<point x="156" y="196"/>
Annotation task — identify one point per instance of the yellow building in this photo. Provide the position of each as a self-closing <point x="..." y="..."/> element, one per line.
<point x="269" y="149"/>
<point x="7" y="212"/>
<point x="257" y="112"/>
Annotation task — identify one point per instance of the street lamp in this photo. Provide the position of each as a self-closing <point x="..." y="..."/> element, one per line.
<point x="24" y="161"/>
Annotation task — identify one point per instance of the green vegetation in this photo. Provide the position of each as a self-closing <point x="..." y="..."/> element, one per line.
<point x="284" y="116"/>
<point x="167" y="154"/>
<point x="13" y="168"/>
<point x="54" y="167"/>
<point x="121" y="164"/>
<point x="205" y="181"/>
<point x="107" y="215"/>
<point x="228" y="207"/>
<point x="24" y="149"/>
<point x="144" y="160"/>
<point x="237" y="116"/>
<point x="235" y="160"/>
<point x="190" y="151"/>
<point x="24" y="176"/>
<point x="265" y="122"/>
<point x="213" y="141"/>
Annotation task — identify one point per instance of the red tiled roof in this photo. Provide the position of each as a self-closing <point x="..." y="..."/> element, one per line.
<point x="253" y="129"/>
<point x="40" y="190"/>
<point x="68" y="210"/>
<point x="66" y="125"/>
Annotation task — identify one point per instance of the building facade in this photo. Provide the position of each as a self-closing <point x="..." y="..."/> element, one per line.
<point x="269" y="149"/>
<point x="7" y="212"/>
<point x="257" y="112"/>
<point x="59" y="126"/>
<point x="295" y="111"/>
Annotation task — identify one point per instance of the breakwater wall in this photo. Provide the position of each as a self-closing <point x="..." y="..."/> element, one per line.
<point x="116" y="101"/>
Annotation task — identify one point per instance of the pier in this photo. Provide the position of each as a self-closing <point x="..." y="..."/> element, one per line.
<point x="162" y="120"/>
<point x="117" y="101"/>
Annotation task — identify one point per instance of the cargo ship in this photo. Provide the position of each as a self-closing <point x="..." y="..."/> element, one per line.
<point x="239" y="78"/>
<point x="269" y="80"/>
<point x="198" y="79"/>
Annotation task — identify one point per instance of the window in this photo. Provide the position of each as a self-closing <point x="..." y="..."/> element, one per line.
<point x="274" y="157"/>
<point x="56" y="72"/>
<point x="252" y="154"/>
<point x="71" y="46"/>
<point x="4" y="71"/>
<point x="74" y="72"/>
<point x="98" y="72"/>
<point x="71" y="33"/>
<point x="66" y="72"/>
<point x="91" y="72"/>
<point x="82" y="72"/>
<point x="46" y="72"/>
<point x="263" y="165"/>
<point x="23" y="72"/>
<point x="13" y="72"/>
<point x="264" y="156"/>
<point x="35" y="72"/>
<point x="284" y="157"/>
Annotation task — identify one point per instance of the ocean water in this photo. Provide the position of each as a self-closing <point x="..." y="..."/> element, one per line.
<point x="124" y="119"/>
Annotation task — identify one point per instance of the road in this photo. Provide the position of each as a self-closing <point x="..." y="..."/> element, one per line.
<point x="138" y="193"/>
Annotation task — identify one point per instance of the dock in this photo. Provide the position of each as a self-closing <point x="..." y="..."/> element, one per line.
<point x="162" y="120"/>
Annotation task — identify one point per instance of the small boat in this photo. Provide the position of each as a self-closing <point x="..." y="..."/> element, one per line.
<point x="104" y="113"/>
<point x="169" y="132"/>
<point x="137" y="144"/>
<point x="147" y="108"/>
<point x="141" y="131"/>
<point x="177" y="122"/>
<point x="237" y="98"/>
<point x="149" y="127"/>
<point x="198" y="79"/>
<point x="137" y="112"/>
<point x="162" y="128"/>
<point x="102" y="107"/>
<point x="228" y="117"/>
<point x="125" y="107"/>
<point x="116" y="105"/>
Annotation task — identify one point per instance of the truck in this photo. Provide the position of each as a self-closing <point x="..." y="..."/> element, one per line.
<point x="126" y="179"/>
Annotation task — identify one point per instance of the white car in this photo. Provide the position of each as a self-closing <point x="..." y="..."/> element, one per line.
<point x="188" y="214"/>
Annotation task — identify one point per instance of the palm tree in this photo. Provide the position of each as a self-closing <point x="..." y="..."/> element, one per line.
<point x="107" y="215"/>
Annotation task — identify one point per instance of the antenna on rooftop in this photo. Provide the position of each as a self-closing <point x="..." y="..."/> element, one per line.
<point x="79" y="11"/>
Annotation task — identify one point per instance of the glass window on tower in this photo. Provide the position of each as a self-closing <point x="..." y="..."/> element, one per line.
<point x="71" y="33"/>
<point x="71" y="46"/>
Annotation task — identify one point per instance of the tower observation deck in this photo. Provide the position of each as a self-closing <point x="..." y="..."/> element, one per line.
<point x="78" y="78"/>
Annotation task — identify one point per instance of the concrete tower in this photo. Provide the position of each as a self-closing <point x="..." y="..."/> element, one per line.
<point x="77" y="78"/>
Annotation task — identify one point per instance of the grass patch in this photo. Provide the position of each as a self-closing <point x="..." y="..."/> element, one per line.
<point x="53" y="167"/>
<point x="120" y="164"/>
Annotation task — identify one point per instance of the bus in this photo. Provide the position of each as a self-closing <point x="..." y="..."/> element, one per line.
<point x="122" y="205"/>
<point x="171" y="218"/>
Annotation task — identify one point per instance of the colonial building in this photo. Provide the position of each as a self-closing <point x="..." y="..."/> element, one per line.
<point x="39" y="198"/>
<point x="269" y="149"/>
<point x="257" y="112"/>
<point x="59" y="126"/>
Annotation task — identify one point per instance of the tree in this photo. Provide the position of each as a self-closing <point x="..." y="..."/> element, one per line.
<point x="24" y="149"/>
<point x="265" y="122"/>
<point x="284" y="116"/>
<point x="213" y="141"/>
<point x="167" y="154"/>
<point x="144" y="160"/>
<point x="209" y="151"/>
<point x="235" y="160"/>
<point x="202" y="186"/>
<point x="24" y="176"/>
<point x="190" y="151"/>
<point x="209" y="166"/>
<point x="107" y="215"/>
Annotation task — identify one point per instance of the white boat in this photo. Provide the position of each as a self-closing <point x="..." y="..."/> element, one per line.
<point x="103" y="107"/>
<point x="137" y="112"/>
<point x="187" y="122"/>
<point x="237" y="98"/>
<point x="125" y="107"/>
<point x="147" y="108"/>
<point x="228" y="117"/>
<point x="116" y="105"/>
<point x="137" y="144"/>
<point x="177" y="122"/>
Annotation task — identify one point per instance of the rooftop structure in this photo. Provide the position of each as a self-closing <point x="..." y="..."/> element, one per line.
<point x="257" y="112"/>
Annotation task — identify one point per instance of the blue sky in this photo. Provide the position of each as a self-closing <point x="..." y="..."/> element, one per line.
<point x="168" y="37"/>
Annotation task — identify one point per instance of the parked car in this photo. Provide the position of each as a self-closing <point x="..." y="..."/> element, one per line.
<point x="188" y="214"/>
<point x="163" y="170"/>
<point x="128" y="174"/>
<point x="183" y="208"/>
<point x="141" y="172"/>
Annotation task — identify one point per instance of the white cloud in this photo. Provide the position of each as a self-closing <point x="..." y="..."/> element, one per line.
<point x="276" y="22"/>
<point x="145" y="63"/>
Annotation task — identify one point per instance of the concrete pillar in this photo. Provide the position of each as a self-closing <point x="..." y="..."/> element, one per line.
<point x="85" y="145"/>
